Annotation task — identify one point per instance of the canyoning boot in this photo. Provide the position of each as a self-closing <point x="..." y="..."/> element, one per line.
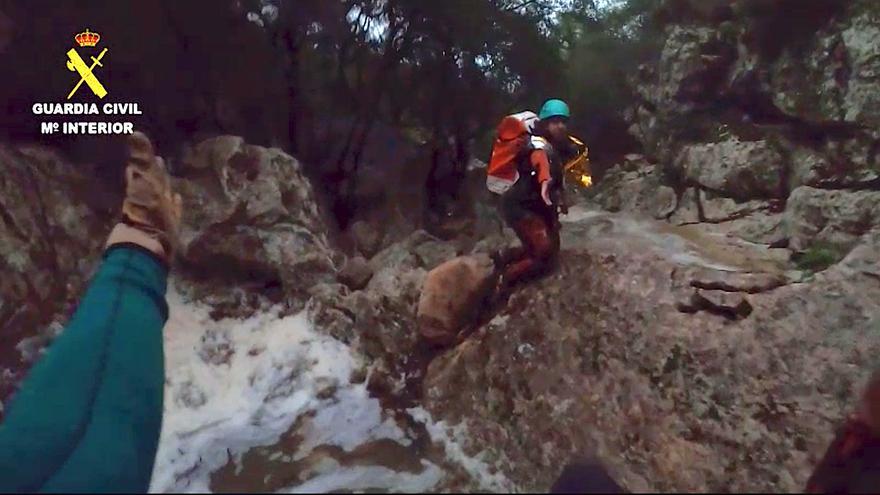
<point x="151" y="211"/>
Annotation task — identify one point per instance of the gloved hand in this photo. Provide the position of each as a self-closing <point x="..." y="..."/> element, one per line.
<point x="545" y="192"/>
<point x="151" y="211"/>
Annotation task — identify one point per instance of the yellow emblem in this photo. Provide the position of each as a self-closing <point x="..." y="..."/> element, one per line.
<point x="75" y="63"/>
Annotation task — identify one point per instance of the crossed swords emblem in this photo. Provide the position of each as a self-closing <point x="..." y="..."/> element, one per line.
<point x="86" y="73"/>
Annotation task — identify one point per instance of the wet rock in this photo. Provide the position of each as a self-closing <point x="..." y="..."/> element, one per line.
<point x="760" y="227"/>
<point x="809" y="168"/>
<point x="634" y="162"/>
<point x="367" y="238"/>
<point x="51" y="234"/>
<point x="862" y="102"/>
<point x="331" y="310"/>
<point x="251" y="210"/>
<point x="732" y="305"/>
<point x="211" y="153"/>
<point x="718" y="280"/>
<point x="693" y="61"/>
<point x="451" y="295"/>
<point x="356" y="273"/>
<point x="716" y="209"/>
<point x="635" y="187"/>
<point x="496" y="241"/>
<point x="399" y="271"/>
<point x="743" y="170"/>
<point x="864" y="259"/>
<point x="687" y="210"/>
<point x="599" y="355"/>
<point x="432" y="253"/>
<point x="835" y="217"/>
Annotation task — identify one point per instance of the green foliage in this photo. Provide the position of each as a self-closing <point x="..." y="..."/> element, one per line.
<point x="818" y="257"/>
<point x="317" y="76"/>
<point x="602" y="50"/>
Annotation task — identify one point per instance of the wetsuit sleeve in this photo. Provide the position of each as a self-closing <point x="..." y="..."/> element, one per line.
<point x="541" y="164"/>
<point x="89" y="414"/>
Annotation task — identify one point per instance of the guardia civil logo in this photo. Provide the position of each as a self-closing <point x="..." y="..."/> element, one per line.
<point x="86" y="73"/>
<point x="86" y="63"/>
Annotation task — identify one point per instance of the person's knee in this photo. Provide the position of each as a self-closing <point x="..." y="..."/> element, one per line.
<point x="544" y="250"/>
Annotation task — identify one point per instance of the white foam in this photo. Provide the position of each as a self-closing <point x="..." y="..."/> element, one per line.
<point x="278" y="369"/>
<point x="452" y="438"/>
<point x="371" y="477"/>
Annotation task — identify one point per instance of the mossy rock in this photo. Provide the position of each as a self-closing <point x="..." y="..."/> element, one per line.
<point x="818" y="257"/>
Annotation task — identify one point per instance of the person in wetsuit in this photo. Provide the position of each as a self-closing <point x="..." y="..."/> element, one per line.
<point x="532" y="205"/>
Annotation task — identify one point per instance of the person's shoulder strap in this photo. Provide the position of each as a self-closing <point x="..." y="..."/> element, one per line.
<point x="538" y="143"/>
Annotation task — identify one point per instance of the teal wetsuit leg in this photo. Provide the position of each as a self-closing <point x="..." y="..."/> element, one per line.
<point x="89" y="414"/>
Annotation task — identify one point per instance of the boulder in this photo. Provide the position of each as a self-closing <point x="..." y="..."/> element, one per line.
<point x="716" y="209"/>
<point x="839" y="164"/>
<point x="211" y="153"/>
<point x="451" y="295"/>
<point x="737" y="169"/>
<point x="732" y="305"/>
<point x="835" y="217"/>
<point x="634" y="186"/>
<point x="367" y="238"/>
<point x="749" y="282"/>
<point x="687" y="208"/>
<point x="831" y="76"/>
<point x="861" y="102"/>
<point x="356" y="273"/>
<point x="51" y="236"/>
<point x="501" y="239"/>
<point x="693" y="61"/>
<point x="432" y="253"/>
<point x="251" y="210"/>
<point x="808" y="168"/>
<point x="760" y="227"/>
<point x="398" y="270"/>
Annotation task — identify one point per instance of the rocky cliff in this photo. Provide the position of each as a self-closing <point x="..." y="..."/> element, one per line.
<point x="715" y="310"/>
<point x="688" y="358"/>
<point x="761" y="117"/>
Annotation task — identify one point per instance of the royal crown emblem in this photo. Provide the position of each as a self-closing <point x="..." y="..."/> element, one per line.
<point x="87" y="38"/>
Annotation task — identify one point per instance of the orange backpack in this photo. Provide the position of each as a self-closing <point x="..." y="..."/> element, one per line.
<point x="513" y="137"/>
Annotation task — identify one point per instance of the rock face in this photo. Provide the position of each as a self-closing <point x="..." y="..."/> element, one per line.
<point x="732" y="305"/>
<point x="742" y="395"/>
<point x="356" y="273"/>
<point x="737" y="169"/>
<point x="50" y="237"/>
<point x="747" y="116"/>
<point x="836" y="217"/>
<point x="250" y="210"/>
<point x="451" y="295"/>
<point x="635" y="187"/>
<point x="367" y="240"/>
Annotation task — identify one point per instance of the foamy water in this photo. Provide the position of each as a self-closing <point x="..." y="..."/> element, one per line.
<point x="265" y="373"/>
<point x="675" y="247"/>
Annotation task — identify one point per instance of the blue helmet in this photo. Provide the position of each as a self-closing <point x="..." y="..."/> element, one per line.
<point x="554" y="108"/>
